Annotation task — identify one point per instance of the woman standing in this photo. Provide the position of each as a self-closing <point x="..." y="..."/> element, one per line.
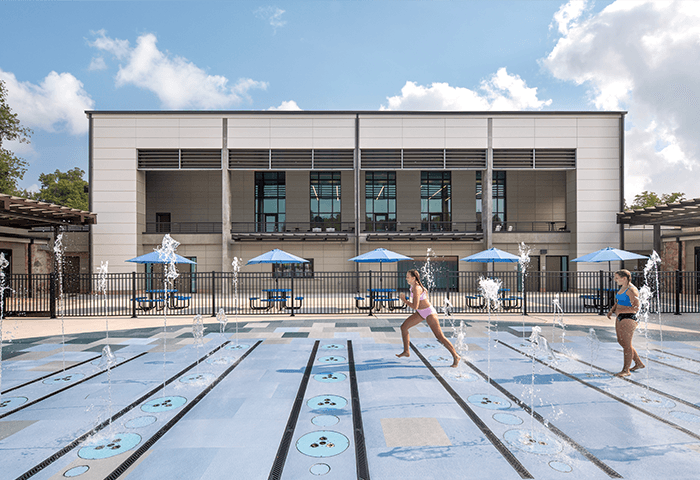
<point x="418" y="301"/>
<point x="626" y="308"/>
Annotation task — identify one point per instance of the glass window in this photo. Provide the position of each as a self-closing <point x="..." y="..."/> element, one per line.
<point x="324" y="195"/>
<point x="299" y="270"/>
<point x="380" y="201"/>
<point x="270" y="193"/>
<point x="436" y="201"/>
<point x="498" y="195"/>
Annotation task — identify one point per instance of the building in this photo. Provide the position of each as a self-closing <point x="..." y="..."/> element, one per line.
<point x="330" y="185"/>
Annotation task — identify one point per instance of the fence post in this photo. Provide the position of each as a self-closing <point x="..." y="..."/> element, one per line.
<point x="678" y="293"/>
<point x="52" y="295"/>
<point x="602" y="293"/>
<point x="133" y="294"/>
<point x="371" y="294"/>
<point x="524" y="296"/>
<point x="213" y="293"/>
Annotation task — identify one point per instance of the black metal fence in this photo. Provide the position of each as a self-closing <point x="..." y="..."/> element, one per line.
<point x="146" y="294"/>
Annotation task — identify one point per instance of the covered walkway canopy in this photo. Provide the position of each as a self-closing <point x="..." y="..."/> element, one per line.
<point x="685" y="213"/>
<point x="18" y="212"/>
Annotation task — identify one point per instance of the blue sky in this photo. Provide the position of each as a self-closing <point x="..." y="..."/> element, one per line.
<point x="61" y="58"/>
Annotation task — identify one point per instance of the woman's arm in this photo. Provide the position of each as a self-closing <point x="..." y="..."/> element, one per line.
<point x="416" y="298"/>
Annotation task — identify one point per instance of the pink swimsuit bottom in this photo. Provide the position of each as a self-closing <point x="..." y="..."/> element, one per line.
<point x="423" y="312"/>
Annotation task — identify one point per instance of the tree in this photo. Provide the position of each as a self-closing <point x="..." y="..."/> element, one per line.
<point x="12" y="168"/>
<point x="67" y="188"/>
<point x="651" y="199"/>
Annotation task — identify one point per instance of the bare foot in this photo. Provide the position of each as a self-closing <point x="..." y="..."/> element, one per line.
<point x="637" y="366"/>
<point x="455" y="364"/>
<point x="623" y="374"/>
<point x="403" y="354"/>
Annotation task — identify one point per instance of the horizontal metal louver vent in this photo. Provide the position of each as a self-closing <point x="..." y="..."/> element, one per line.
<point x="291" y="159"/>
<point x="559" y="158"/>
<point x="248" y="159"/>
<point x="376" y="159"/>
<point x="334" y="159"/>
<point x="424" y="159"/>
<point x="159" y="159"/>
<point x="470" y="158"/>
<point x="209" y="159"/>
<point x="504" y="159"/>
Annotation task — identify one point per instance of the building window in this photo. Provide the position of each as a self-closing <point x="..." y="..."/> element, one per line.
<point x="498" y="194"/>
<point x="436" y="201"/>
<point x="325" y="199"/>
<point x="380" y="201"/>
<point x="270" y="195"/>
<point x="299" y="270"/>
<point x="163" y="222"/>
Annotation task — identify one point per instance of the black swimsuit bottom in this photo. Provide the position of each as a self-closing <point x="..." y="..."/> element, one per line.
<point x="622" y="316"/>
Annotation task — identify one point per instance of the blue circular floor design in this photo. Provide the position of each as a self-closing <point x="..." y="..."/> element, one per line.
<point x="242" y="346"/>
<point x="140" y="422"/>
<point x="332" y="346"/>
<point x="688" y="417"/>
<point x="120" y="443"/>
<point x="507" y="418"/>
<point x="76" y="471"/>
<point x="63" y="379"/>
<point x="333" y="402"/>
<point x="197" y="378"/>
<point x="491" y="402"/>
<point x="159" y="362"/>
<point x="325" y="420"/>
<point x="331" y="359"/>
<point x="319" y="469"/>
<point x="462" y="376"/>
<point x="560" y="466"/>
<point x="11" y="403"/>
<point x="323" y="443"/>
<point x="440" y="359"/>
<point x="650" y="400"/>
<point x="532" y="442"/>
<point x="330" y="377"/>
<point x="427" y="346"/>
<point x="163" y="404"/>
<point x="217" y="360"/>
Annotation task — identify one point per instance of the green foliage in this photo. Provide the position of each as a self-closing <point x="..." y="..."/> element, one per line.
<point x="12" y="168"/>
<point x="68" y="189"/>
<point x="651" y="199"/>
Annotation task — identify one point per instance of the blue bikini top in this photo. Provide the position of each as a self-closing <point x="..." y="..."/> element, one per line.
<point x="623" y="299"/>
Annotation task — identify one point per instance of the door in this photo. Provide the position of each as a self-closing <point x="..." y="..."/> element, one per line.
<point x="533" y="275"/>
<point x="5" y="277"/>
<point x="557" y="267"/>
<point x="71" y="274"/>
<point x="697" y="269"/>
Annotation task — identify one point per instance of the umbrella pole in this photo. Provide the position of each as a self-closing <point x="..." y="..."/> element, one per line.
<point x="371" y="296"/>
<point x="292" y="292"/>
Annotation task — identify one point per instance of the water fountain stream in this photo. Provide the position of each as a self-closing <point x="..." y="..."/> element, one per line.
<point x="3" y="265"/>
<point x="58" y="250"/>
<point x="489" y="288"/>
<point x="166" y="254"/>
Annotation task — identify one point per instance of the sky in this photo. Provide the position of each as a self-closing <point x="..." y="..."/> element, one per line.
<point x="61" y="58"/>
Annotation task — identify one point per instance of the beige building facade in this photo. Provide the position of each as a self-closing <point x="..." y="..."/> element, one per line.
<point x="328" y="186"/>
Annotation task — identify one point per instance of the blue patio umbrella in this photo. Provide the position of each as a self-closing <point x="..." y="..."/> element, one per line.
<point x="609" y="254"/>
<point x="380" y="256"/>
<point x="154" y="257"/>
<point x="492" y="255"/>
<point x="280" y="257"/>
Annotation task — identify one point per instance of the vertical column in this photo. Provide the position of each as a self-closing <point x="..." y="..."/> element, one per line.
<point x="487" y="189"/>
<point x="225" y="201"/>
<point x="357" y="190"/>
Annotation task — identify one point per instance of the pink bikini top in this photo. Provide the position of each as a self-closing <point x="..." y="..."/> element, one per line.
<point x="423" y="296"/>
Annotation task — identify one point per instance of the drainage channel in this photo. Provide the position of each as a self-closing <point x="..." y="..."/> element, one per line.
<point x="41" y="466"/>
<point x="608" y="394"/>
<point x="592" y="458"/>
<point x="488" y="433"/>
<point x="288" y="436"/>
<point x="44" y="377"/>
<point x="676" y="355"/>
<point x="360" y="449"/>
<point x="80" y="378"/>
<point x="159" y="434"/>
<point x="639" y="384"/>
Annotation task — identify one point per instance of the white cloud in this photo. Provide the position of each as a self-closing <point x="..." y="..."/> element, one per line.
<point x="97" y="63"/>
<point x="286" y="105"/>
<point x="568" y="15"/>
<point x="33" y="188"/>
<point x="178" y="83"/>
<point x="500" y="92"/>
<point x="272" y="15"/>
<point x="118" y="48"/>
<point x="642" y="56"/>
<point x="58" y="102"/>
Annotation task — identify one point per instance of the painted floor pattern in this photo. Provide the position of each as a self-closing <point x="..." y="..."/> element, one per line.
<point x="294" y="399"/>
